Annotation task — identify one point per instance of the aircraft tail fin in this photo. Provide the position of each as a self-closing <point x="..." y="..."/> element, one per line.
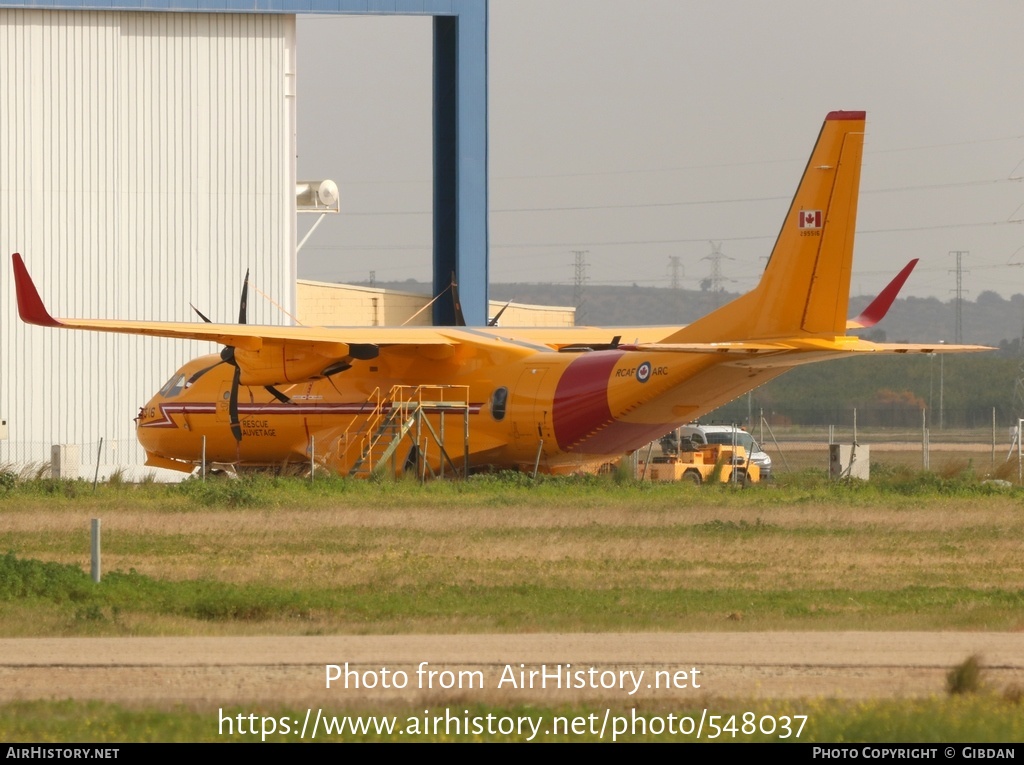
<point x="805" y="288"/>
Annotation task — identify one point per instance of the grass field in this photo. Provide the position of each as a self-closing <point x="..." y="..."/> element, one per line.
<point x="907" y="551"/>
<point x="911" y="551"/>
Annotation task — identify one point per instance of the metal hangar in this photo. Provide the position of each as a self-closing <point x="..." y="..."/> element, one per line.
<point x="147" y="158"/>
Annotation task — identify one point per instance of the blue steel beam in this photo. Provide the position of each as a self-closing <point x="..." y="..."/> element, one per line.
<point x="460" y="119"/>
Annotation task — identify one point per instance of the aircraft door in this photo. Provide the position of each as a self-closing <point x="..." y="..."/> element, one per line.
<point x="531" y="418"/>
<point x="224" y="402"/>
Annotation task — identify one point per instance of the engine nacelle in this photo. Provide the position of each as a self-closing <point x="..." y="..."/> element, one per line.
<point x="281" y="363"/>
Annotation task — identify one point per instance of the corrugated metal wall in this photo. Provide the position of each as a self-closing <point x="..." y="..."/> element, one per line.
<point x="146" y="161"/>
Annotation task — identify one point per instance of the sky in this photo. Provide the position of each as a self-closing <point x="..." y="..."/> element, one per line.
<point x="638" y="131"/>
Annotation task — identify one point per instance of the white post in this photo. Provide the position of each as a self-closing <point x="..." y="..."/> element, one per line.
<point x="993" y="438"/>
<point x="204" y="458"/>
<point x="732" y="475"/>
<point x="924" y="439"/>
<point x="465" y="442"/>
<point x="942" y="389"/>
<point x="1020" y="465"/>
<point x="96" y="550"/>
<point x="441" y="445"/>
<point x="831" y="440"/>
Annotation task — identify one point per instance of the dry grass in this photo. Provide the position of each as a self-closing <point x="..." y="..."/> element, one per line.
<point x="909" y="551"/>
<point x="948" y="542"/>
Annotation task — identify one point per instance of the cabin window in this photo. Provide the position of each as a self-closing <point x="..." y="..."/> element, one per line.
<point x="498" y="401"/>
<point x="173" y="386"/>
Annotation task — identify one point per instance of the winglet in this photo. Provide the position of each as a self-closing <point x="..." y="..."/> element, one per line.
<point x="30" y="305"/>
<point x="880" y="306"/>
<point x="841" y="115"/>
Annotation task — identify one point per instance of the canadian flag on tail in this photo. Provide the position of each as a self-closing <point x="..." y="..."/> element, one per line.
<point x="810" y="218"/>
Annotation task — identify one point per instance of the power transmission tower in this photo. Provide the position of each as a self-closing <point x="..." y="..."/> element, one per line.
<point x="715" y="281"/>
<point x="1018" y="388"/>
<point x="580" y="282"/>
<point x="676" y="267"/>
<point x="959" y="293"/>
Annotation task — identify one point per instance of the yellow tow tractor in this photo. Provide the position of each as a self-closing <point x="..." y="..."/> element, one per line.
<point x="684" y="460"/>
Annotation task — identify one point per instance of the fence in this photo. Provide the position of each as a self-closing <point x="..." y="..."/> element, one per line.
<point x="815" y="415"/>
<point x="123" y="458"/>
<point x="984" y="446"/>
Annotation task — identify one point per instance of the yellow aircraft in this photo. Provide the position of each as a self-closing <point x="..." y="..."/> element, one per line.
<point x="445" y="399"/>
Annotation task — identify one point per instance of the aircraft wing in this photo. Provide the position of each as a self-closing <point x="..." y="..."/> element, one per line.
<point x="245" y="337"/>
<point x="269" y="355"/>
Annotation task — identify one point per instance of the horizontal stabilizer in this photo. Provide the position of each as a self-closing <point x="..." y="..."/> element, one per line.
<point x="791" y="353"/>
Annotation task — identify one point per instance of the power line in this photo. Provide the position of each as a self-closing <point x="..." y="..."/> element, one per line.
<point x="676" y="168"/>
<point x="688" y="203"/>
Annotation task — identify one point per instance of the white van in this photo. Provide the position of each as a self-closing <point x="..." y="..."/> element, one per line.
<point x="727" y="435"/>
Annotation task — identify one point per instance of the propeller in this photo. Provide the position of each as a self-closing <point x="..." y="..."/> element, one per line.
<point x="460" y="318"/>
<point x="493" y="321"/>
<point x="227" y="356"/>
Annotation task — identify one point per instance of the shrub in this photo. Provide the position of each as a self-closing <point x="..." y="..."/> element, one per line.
<point x="965" y="677"/>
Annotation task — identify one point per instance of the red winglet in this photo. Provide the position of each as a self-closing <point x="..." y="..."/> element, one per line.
<point x="846" y="116"/>
<point x="874" y="313"/>
<point x="30" y="305"/>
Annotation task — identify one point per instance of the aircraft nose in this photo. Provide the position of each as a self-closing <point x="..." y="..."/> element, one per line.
<point x="150" y="413"/>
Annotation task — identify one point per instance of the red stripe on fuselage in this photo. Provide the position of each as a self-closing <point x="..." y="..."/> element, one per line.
<point x="581" y="397"/>
<point x="583" y="420"/>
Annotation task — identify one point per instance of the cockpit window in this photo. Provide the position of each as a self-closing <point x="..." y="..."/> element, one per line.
<point x="498" y="401"/>
<point x="173" y="386"/>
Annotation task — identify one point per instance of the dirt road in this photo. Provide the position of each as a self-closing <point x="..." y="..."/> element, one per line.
<point x="293" y="670"/>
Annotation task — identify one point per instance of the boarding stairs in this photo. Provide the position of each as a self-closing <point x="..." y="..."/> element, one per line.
<point x="401" y="416"/>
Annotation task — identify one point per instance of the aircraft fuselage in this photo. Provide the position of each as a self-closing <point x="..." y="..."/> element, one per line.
<point x="566" y="409"/>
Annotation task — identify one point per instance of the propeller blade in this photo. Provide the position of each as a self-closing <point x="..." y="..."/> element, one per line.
<point x="277" y="394"/>
<point x="460" y="319"/>
<point x="200" y="313"/>
<point x="243" y="307"/>
<point x="333" y="369"/>
<point x="494" y="319"/>
<point x="236" y="425"/>
<point x="191" y="381"/>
